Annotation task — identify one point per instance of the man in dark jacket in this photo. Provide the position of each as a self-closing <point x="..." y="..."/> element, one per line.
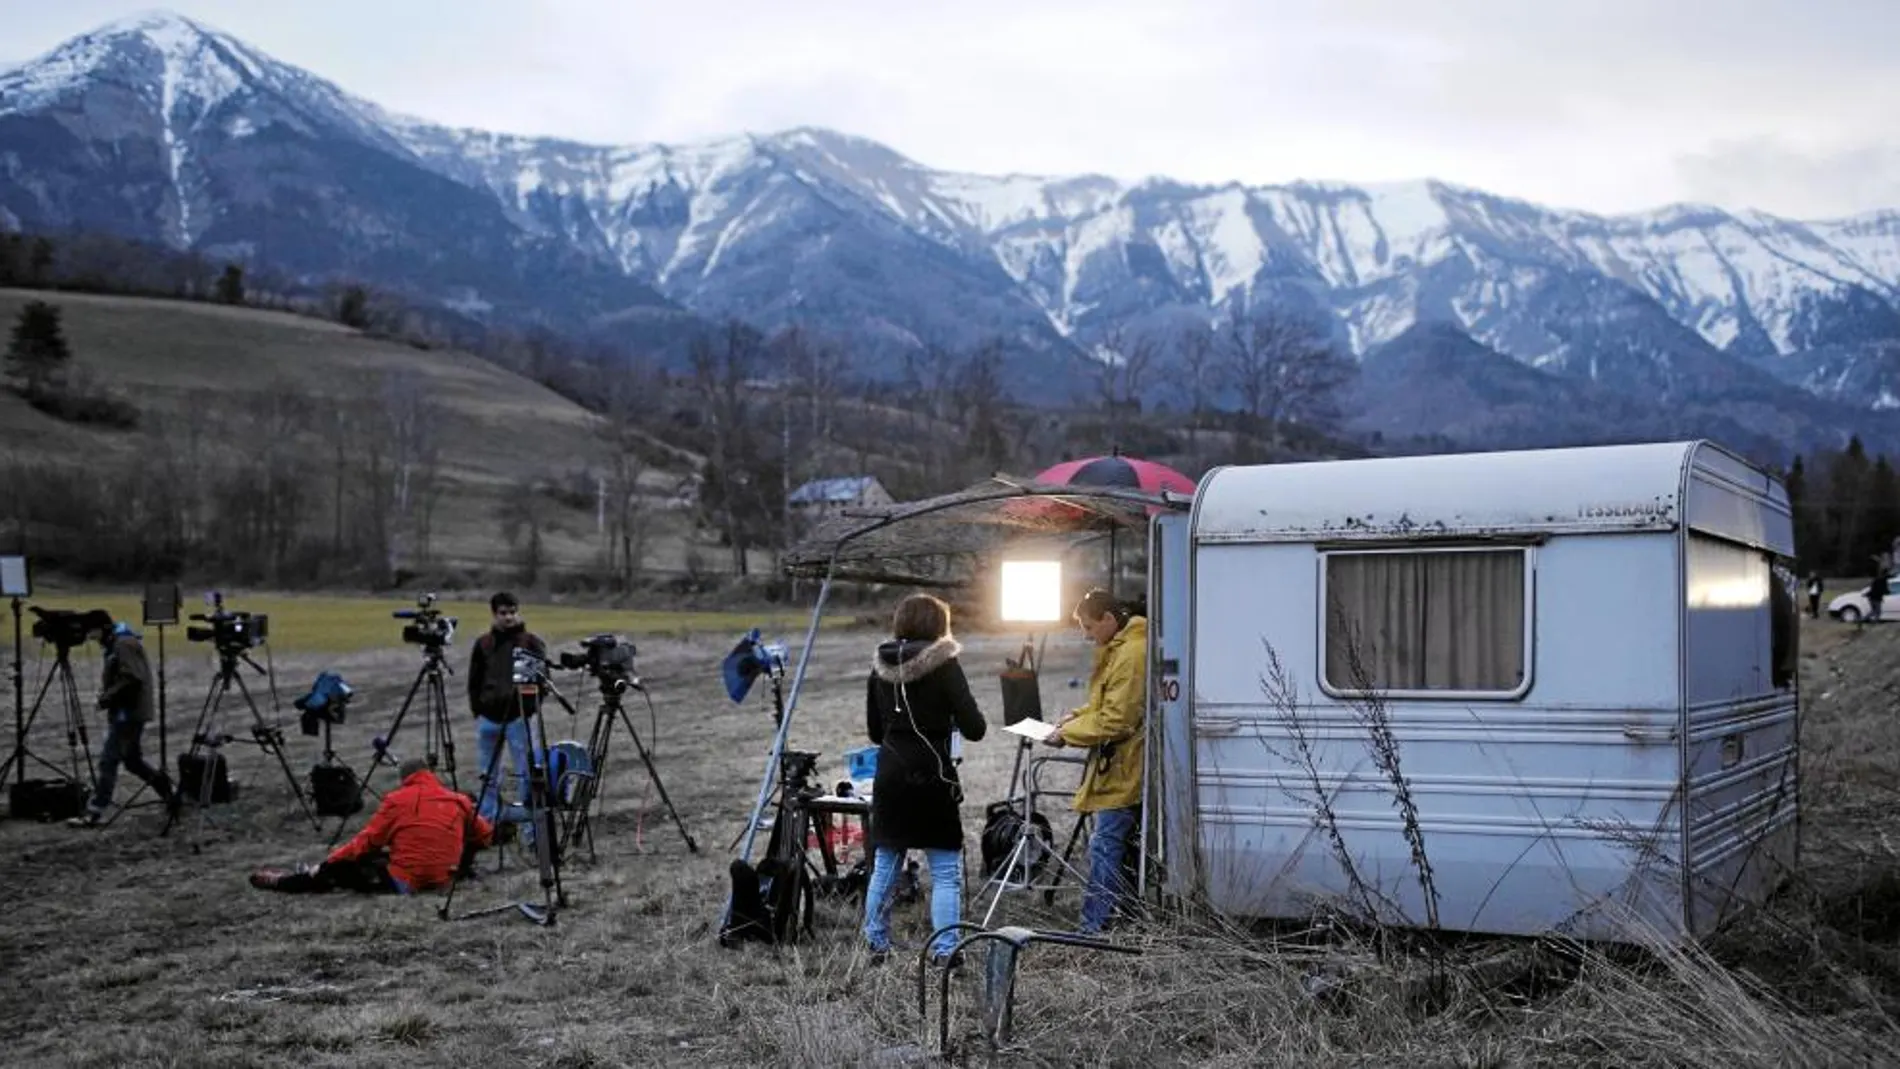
<point x="495" y="699"/>
<point x="125" y="693"/>
<point x="421" y="834"/>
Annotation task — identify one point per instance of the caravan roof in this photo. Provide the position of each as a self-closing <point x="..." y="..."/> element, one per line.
<point x="1535" y="491"/>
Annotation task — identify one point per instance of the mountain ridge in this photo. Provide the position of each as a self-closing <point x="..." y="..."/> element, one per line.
<point x="812" y="225"/>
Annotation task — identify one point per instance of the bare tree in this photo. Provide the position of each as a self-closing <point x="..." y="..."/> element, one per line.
<point x="625" y="441"/>
<point x="1197" y="365"/>
<point x="977" y="393"/>
<point x="1125" y="360"/>
<point x="1284" y="371"/>
<point x="721" y="371"/>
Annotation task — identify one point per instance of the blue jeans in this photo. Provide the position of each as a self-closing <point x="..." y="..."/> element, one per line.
<point x="123" y="747"/>
<point x="1108" y="885"/>
<point x="488" y="736"/>
<point x="946" y="896"/>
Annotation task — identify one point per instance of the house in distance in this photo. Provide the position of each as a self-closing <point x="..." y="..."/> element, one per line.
<point x="823" y="498"/>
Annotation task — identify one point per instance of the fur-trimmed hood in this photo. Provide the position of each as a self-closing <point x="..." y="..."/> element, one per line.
<point x="910" y="660"/>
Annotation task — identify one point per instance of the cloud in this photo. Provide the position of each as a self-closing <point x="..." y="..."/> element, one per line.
<point x="1806" y="184"/>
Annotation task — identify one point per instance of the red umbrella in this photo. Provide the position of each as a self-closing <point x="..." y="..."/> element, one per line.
<point x="1117" y="470"/>
<point x="1113" y="470"/>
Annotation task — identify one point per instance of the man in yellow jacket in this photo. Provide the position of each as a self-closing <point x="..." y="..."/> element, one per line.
<point x="1110" y="724"/>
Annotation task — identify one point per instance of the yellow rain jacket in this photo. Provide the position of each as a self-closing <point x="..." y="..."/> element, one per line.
<point x="1110" y="724"/>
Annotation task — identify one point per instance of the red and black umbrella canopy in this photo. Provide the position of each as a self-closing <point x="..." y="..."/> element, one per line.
<point x="1131" y="472"/>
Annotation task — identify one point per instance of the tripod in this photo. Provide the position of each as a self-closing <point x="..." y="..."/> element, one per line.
<point x="540" y="806"/>
<point x="578" y="818"/>
<point x="788" y="879"/>
<point x="436" y="729"/>
<point x="265" y="736"/>
<point x="1034" y="843"/>
<point x="78" y="744"/>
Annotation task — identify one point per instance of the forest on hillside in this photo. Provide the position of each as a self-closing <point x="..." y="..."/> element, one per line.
<point x="344" y="487"/>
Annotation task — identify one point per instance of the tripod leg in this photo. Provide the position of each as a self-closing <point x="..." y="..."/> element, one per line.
<point x="212" y="701"/>
<point x="1075" y="833"/>
<point x="448" y="897"/>
<point x="541" y="812"/>
<point x="270" y="740"/>
<point x="439" y="704"/>
<point x="23" y="751"/>
<point x="395" y="726"/>
<point x="76" y="719"/>
<point x="198" y="736"/>
<point x="647" y="759"/>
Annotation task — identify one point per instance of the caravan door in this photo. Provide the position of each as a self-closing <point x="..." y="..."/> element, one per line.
<point x="1169" y="776"/>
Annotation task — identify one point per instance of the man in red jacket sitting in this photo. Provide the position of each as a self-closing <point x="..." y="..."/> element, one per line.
<point x="421" y="833"/>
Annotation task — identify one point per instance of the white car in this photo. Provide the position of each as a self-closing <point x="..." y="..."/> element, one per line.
<point x="1853" y="607"/>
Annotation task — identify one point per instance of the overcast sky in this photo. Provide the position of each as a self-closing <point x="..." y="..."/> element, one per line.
<point x="1610" y="105"/>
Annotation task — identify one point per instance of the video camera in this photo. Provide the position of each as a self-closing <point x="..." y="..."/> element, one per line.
<point x="67" y="628"/>
<point x="427" y="627"/>
<point x="232" y="632"/>
<point x="608" y="658"/>
<point x="795" y="770"/>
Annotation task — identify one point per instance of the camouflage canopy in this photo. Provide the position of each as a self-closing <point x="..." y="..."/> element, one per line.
<point x="943" y="540"/>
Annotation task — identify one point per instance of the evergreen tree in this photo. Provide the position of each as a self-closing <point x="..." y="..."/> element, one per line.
<point x="39" y="262"/>
<point x="231" y="285"/>
<point x="37" y="354"/>
<point x="352" y="308"/>
<point x="1847" y="509"/>
<point x="1883" y="511"/>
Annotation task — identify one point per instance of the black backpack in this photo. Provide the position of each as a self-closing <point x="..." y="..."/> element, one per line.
<point x="1002" y="827"/>
<point x="766" y="904"/>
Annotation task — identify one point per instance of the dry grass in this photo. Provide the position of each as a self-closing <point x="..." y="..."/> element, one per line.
<point x="169" y="355"/>
<point x="137" y="952"/>
<point x="186" y="361"/>
<point x="338" y="624"/>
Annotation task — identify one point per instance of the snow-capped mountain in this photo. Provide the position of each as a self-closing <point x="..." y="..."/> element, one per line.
<point x="160" y="127"/>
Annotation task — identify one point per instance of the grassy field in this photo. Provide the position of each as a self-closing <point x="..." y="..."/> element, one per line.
<point x="169" y="355"/>
<point x="337" y="624"/>
<point x="195" y="362"/>
<point x="138" y="951"/>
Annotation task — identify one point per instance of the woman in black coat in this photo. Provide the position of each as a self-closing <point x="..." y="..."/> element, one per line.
<point x="915" y="697"/>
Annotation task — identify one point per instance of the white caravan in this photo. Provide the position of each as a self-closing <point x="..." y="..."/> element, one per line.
<point x="1580" y="662"/>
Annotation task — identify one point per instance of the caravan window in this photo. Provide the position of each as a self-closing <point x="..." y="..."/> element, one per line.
<point x="1448" y="621"/>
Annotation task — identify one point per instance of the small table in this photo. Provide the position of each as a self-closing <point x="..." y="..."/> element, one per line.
<point x="825" y="810"/>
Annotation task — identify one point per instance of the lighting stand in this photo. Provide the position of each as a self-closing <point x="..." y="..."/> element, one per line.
<point x="14" y="761"/>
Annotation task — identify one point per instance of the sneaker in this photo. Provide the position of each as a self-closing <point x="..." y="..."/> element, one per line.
<point x="91" y="818"/>
<point x="946" y="961"/>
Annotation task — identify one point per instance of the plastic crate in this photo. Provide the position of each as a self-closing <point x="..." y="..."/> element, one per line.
<point x="861" y="763"/>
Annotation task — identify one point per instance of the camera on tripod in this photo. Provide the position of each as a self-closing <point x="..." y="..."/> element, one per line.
<point x="427" y="627"/>
<point x="67" y="628"/>
<point x="231" y="632"/>
<point x="795" y="769"/>
<point x="608" y="658"/>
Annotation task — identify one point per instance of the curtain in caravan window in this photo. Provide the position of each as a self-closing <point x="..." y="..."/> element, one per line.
<point x="1425" y="621"/>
